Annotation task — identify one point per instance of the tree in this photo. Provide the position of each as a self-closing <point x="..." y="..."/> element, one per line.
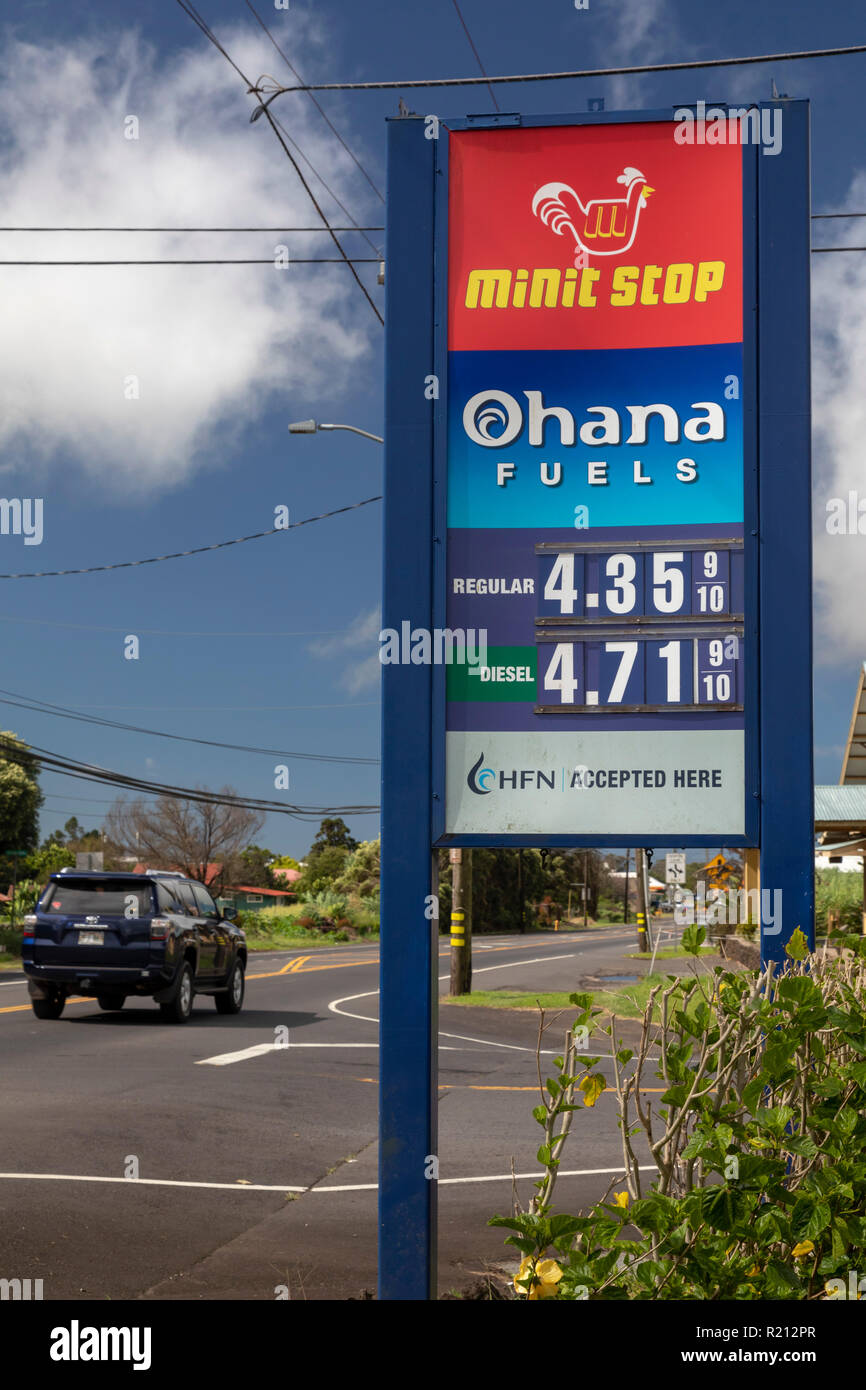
<point x="20" y="799"/>
<point x="321" y="870"/>
<point x="495" y="891"/>
<point x="332" y="833"/>
<point x="360" y="874"/>
<point x="174" y="833"/>
<point x="254" y="868"/>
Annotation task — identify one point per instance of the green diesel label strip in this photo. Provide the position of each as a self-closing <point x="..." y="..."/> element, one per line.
<point x="509" y="674"/>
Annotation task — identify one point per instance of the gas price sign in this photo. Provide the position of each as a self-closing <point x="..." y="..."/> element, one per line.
<point x="598" y="511"/>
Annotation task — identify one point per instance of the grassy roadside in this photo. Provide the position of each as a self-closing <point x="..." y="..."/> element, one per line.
<point x="671" y="954"/>
<point x="628" y="1002"/>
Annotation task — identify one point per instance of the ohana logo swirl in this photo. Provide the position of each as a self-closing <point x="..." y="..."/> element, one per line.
<point x="479" y="777"/>
<point x="486" y="411"/>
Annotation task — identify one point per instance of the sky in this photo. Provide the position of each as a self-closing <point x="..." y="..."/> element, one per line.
<point x="148" y="406"/>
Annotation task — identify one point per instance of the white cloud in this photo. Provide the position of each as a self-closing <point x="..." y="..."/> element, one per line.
<point x="206" y="343"/>
<point x="639" y="31"/>
<point x="357" y="674"/>
<point x="839" y="428"/>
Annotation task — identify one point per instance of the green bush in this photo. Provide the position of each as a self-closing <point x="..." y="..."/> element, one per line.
<point x="326" y="915"/>
<point x="758" y="1141"/>
<point x="841" y="893"/>
<point x="10" y="941"/>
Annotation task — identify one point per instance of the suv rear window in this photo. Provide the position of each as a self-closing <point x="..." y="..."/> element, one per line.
<point x="108" y="898"/>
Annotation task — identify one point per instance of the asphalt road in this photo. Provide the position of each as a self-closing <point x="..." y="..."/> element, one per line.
<point x="256" y="1163"/>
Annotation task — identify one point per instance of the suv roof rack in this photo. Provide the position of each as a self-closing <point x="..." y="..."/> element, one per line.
<point x="163" y="873"/>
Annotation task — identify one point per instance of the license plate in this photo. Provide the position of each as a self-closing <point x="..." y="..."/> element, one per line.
<point x="91" y="938"/>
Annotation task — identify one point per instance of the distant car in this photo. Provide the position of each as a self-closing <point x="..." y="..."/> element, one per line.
<point x="117" y="936"/>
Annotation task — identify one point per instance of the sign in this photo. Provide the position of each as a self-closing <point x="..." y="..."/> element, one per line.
<point x="596" y="486"/>
<point x="595" y="340"/>
<point x="90" y="861"/>
<point x="675" y="868"/>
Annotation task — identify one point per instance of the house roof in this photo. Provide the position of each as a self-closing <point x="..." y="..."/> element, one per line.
<point x="251" y="888"/>
<point x="289" y="874"/>
<point x="841" y="808"/>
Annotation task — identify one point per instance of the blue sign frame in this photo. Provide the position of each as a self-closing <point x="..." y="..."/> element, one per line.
<point x="779" y="812"/>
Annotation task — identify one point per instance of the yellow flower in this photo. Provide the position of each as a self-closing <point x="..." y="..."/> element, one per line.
<point x="545" y="1275"/>
<point x="754" y="1270"/>
<point x="805" y="1247"/>
<point x="620" y="1199"/>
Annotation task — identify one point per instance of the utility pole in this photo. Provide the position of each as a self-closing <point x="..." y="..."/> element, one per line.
<point x="585" y="887"/>
<point x="625" y="899"/>
<point x="520" y="890"/>
<point x="642" y="904"/>
<point x="461" y="920"/>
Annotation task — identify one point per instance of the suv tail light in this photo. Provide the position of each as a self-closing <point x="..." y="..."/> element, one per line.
<point x="159" y="928"/>
<point x="28" y="924"/>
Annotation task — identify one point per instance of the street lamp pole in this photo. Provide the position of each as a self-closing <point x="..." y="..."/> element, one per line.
<point x="311" y="426"/>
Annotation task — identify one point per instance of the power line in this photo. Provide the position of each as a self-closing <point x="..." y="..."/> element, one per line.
<point x="353" y="228"/>
<point x="171" y="632"/>
<point x="817" y="216"/>
<point x="818" y="250"/>
<point x="197" y="550"/>
<point x="317" y="105"/>
<point x="86" y="772"/>
<point x="266" y="260"/>
<point x="474" y="50"/>
<point x="564" y="76"/>
<point x="327" y="187"/>
<point x="190" y="10"/>
<point x="64" y="712"/>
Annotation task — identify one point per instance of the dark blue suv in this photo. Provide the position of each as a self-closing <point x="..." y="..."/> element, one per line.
<point x="116" y="936"/>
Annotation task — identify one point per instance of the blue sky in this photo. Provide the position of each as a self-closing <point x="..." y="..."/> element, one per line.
<point x="273" y="643"/>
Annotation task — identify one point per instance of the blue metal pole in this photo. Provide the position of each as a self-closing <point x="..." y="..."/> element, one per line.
<point x="787" y="779"/>
<point x="409" y="930"/>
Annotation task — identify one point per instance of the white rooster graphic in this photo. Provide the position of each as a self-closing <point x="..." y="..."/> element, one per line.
<point x="602" y="219"/>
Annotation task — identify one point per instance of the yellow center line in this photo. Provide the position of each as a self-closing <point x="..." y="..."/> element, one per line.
<point x="293" y="967"/>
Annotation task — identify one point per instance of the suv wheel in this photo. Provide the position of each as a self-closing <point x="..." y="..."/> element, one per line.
<point x="111" y="1003"/>
<point x="179" y="1008"/>
<point x="52" y="1007"/>
<point x="230" y="1001"/>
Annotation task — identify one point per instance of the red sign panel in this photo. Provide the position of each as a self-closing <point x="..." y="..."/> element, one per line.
<point x="602" y="236"/>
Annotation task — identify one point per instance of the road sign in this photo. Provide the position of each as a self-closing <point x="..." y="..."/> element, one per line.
<point x="675" y="868"/>
<point x="590" y="356"/>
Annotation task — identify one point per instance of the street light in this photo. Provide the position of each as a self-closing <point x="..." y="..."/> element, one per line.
<point x="310" y="427"/>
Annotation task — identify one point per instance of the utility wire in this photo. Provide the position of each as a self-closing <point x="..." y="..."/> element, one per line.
<point x="172" y="631"/>
<point x="86" y="772"/>
<point x="36" y="706"/>
<point x="329" y="190"/>
<point x="197" y="550"/>
<point x="474" y="50"/>
<point x="564" y="76"/>
<point x="256" y="260"/>
<point x="189" y="9"/>
<point x="353" y="228"/>
<point x="317" y="105"/>
<point x="363" y="288"/>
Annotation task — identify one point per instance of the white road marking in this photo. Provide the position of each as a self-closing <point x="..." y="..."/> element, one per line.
<point x="154" y="1182"/>
<point x="460" y="1037"/>
<point x="224" y="1059"/>
<point x="287" y="1187"/>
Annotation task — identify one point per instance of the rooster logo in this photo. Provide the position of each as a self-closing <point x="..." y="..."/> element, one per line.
<point x="602" y="219"/>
